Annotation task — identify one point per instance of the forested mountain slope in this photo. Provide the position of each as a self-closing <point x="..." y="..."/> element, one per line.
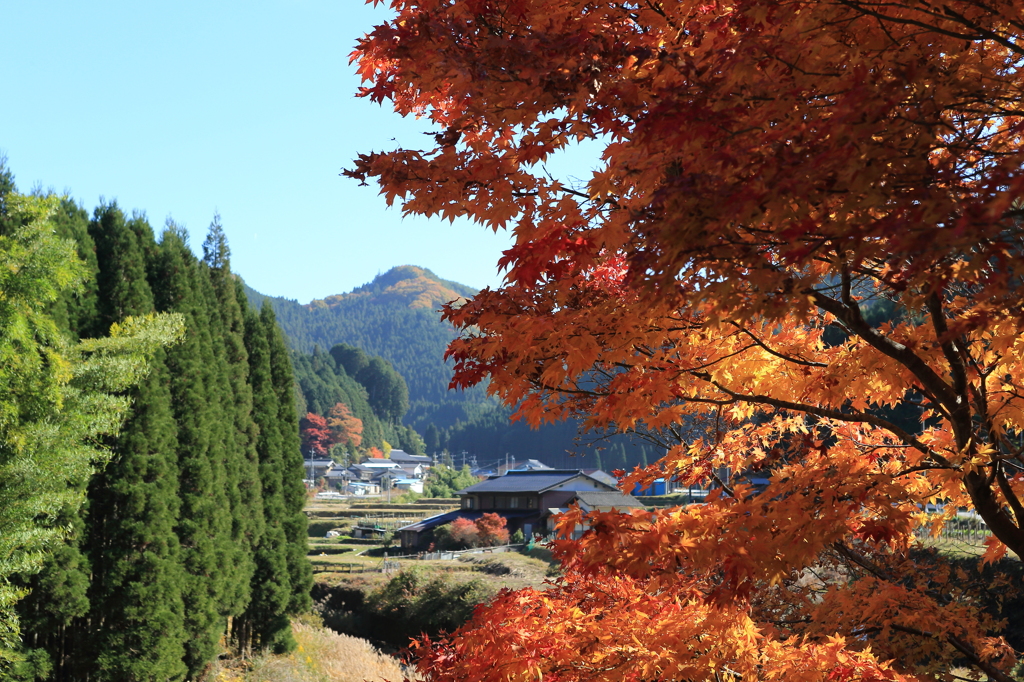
<point x="395" y="316"/>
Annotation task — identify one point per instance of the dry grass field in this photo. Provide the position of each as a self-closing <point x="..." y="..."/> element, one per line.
<point x="322" y="656"/>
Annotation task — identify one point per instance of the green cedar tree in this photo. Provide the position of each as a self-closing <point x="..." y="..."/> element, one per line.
<point x="136" y="614"/>
<point x="295" y="521"/>
<point x="76" y="311"/>
<point x="57" y="596"/>
<point x="240" y="461"/>
<point x="223" y="436"/>
<point x="264" y="624"/>
<point x="176" y="286"/>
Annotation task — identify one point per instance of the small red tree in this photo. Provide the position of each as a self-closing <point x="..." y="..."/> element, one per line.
<point x="315" y="434"/>
<point x="491" y="528"/>
<point x="465" y="532"/>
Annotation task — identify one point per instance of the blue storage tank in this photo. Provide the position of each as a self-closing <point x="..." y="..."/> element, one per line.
<point x="660" y="487"/>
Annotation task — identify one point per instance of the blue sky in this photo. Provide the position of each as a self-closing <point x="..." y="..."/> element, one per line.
<point x="186" y="108"/>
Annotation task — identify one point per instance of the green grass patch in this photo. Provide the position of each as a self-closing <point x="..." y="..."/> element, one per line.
<point x="319" y="529"/>
<point x="323" y="550"/>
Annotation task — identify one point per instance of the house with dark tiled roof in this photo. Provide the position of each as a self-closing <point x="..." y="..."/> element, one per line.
<point x="595" y="501"/>
<point x="363" y="473"/>
<point x="412" y="471"/>
<point x="340" y="478"/>
<point x="403" y="458"/>
<point x="313" y="469"/>
<point x="379" y="463"/>
<point x="523" y="498"/>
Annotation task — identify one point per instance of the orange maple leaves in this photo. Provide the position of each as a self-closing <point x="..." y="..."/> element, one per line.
<point x="772" y="173"/>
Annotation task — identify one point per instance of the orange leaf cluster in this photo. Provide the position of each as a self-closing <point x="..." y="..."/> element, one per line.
<point x="345" y="427"/>
<point x="773" y="175"/>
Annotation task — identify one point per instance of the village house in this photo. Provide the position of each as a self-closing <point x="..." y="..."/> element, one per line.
<point x="594" y="501"/>
<point x="404" y="459"/>
<point x="316" y="468"/>
<point x="379" y="463"/>
<point x="524" y="498"/>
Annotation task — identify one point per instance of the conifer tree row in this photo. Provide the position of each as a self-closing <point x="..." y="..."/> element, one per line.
<point x="196" y="522"/>
<point x="282" y="578"/>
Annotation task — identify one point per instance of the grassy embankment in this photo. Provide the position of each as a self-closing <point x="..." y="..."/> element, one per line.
<point x="321" y="656"/>
<point x="343" y="566"/>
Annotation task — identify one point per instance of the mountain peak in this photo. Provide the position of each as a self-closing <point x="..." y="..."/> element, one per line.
<point x="409" y="286"/>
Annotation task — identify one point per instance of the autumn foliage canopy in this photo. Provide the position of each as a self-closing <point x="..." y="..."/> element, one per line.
<point x="770" y="172"/>
<point x="319" y="434"/>
<point x="316" y="434"/>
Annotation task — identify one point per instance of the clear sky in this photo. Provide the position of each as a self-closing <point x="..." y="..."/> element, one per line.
<point x="185" y="108"/>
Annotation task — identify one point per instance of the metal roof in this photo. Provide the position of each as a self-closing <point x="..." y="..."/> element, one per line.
<point x="525" y="481"/>
<point x="403" y="456"/>
<point x="607" y="499"/>
<point x="602" y="476"/>
<point x="472" y="515"/>
<point x="532" y="465"/>
<point x="377" y="463"/>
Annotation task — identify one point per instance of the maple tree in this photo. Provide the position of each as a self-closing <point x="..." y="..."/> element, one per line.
<point x="491" y="529"/>
<point x="770" y="171"/>
<point x="345" y="427"/>
<point x="464" y="532"/>
<point x="316" y="434"/>
<point x="487" y="531"/>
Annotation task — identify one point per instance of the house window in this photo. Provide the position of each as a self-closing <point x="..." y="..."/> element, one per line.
<point x="513" y="503"/>
<point x="531" y="502"/>
<point x="467" y="502"/>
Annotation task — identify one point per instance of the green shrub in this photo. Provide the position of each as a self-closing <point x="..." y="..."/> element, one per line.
<point x="413" y="604"/>
<point x="409" y="497"/>
<point x="318" y="529"/>
<point x="317" y="550"/>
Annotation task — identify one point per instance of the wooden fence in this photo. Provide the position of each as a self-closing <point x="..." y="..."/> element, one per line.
<point x="966" y="529"/>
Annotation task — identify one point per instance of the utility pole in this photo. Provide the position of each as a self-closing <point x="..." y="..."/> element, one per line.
<point x="311" y="469"/>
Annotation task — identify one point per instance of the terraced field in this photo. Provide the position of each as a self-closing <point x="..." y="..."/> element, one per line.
<point x="341" y="553"/>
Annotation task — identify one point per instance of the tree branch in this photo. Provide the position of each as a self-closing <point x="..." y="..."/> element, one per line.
<point x="931" y="383"/>
<point x="961" y="646"/>
<point x="825" y="413"/>
<point x="797" y="361"/>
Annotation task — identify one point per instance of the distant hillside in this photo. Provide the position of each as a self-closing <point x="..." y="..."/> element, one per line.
<point x="394" y="316"/>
